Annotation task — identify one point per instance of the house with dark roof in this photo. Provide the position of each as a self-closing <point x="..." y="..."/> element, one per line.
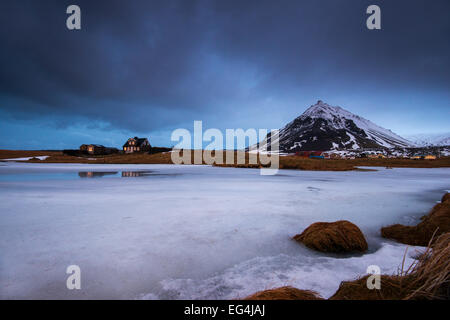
<point x="97" y="149"/>
<point x="92" y="148"/>
<point x="136" y="145"/>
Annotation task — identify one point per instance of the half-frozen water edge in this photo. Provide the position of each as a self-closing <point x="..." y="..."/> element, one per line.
<point x="194" y="231"/>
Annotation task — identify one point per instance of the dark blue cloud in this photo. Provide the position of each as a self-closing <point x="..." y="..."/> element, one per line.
<point x="151" y="66"/>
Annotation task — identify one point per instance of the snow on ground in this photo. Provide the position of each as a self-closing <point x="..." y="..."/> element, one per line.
<point x="176" y="232"/>
<point x="26" y="158"/>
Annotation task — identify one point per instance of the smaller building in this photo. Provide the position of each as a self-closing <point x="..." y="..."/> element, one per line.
<point x="92" y="148"/>
<point x="137" y="145"/>
<point x="335" y="156"/>
<point x="430" y="157"/>
<point x="84" y="147"/>
<point x="97" y="149"/>
<point x="309" y="154"/>
<point x="376" y="156"/>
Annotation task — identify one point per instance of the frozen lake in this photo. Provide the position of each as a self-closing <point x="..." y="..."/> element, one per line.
<point x="194" y="232"/>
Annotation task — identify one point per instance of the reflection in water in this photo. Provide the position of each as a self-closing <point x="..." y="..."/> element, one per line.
<point x="127" y="174"/>
<point x="95" y="174"/>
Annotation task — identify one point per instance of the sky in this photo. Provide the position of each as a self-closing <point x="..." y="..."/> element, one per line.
<point x="146" y="68"/>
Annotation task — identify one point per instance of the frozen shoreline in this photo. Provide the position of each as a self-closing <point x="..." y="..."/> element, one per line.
<point x="194" y="231"/>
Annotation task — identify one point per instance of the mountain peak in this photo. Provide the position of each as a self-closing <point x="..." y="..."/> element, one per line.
<point x="326" y="127"/>
<point x="324" y="110"/>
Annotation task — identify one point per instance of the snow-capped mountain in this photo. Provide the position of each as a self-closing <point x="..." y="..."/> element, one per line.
<point x="427" y="140"/>
<point x="325" y="127"/>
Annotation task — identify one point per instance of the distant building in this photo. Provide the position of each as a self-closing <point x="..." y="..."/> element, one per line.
<point x="84" y="147"/>
<point x="137" y="145"/>
<point x="430" y="157"/>
<point x="335" y="156"/>
<point x="93" y="148"/>
<point x="376" y="156"/>
<point x="97" y="149"/>
<point x="309" y="154"/>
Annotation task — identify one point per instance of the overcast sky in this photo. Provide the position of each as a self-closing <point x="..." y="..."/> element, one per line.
<point x="148" y="67"/>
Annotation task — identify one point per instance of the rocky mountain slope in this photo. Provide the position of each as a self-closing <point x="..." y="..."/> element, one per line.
<point x="325" y="127"/>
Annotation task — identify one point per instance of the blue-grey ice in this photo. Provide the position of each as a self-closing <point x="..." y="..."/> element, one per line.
<point x="194" y="232"/>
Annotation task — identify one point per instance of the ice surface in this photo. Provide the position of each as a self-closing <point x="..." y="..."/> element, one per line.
<point x="194" y="231"/>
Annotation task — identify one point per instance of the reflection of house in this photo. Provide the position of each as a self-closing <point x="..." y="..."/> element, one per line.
<point x="136" y="145"/>
<point x="127" y="174"/>
<point x="94" y="174"/>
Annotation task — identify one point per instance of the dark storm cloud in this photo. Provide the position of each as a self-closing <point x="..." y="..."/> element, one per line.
<point x="146" y="65"/>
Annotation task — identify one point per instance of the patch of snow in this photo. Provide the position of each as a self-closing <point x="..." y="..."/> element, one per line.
<point x="425" y="140"/>
<point x="26" y="158"/>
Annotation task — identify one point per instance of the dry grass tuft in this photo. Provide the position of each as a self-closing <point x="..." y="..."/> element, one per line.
<point x="284" y="293"/>
<point x="339" y="236"/>
<point x="428" y="278"/>
<point x="437" y="222"/>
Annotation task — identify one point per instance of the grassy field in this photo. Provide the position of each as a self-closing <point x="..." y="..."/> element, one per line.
<point x="286" y="162"/>
<point x="8" y="154"/>
<point x="299" y="163"/>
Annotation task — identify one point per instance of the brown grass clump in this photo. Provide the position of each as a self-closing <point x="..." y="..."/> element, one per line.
<point x="339" y="236"/>
<point x="437" y="222"/>
<point x="428" y="278"/>
<point x="357" y="290"/>
<point x="284" y="293"/>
